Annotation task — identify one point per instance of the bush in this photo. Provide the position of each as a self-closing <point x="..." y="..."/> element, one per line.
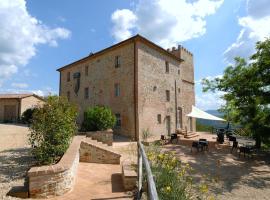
<point x="174" y="179"/>
<point x="52" y="128"/>
<point x="98" y="118"/>
<point x="27" y="116"/>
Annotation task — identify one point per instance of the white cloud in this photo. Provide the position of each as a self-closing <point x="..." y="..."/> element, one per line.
<point x="20" y="33"/>
<point x="166" y="22"/>
<point x="19" y="85"/>
<point x="39" y="92"/>
<point x="124" y="20"/>
<point x="209" y="101"/>
<point x="255" y="27"/>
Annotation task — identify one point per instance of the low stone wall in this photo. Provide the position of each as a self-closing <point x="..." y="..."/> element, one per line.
<point x="95" y="154"/>
<point x="105" y="137"/>
<point x="129" y="175"/>
<point x="55" y="180"/>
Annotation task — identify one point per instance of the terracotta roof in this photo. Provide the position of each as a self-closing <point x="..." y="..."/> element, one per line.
<point x="17" y="96"/>
<point x="132" y="39"/>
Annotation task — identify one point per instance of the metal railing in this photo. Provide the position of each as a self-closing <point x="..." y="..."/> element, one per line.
<point x="143" y="161"/>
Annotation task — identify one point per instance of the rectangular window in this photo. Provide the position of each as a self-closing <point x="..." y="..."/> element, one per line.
<point x="179" y="71"/>
<point x="86" y="93"/>
<point x="116" y="89"/>
<point x="118" y="120"/>
<point x="68" y="76"/>
<point x="167" y="67"/>
<point x="167" y="95"/>
<point x="117" y="61"/>
<point x="179" y="90"/>
<point x="159" y="118"/>
<point x="86" y="70"/>
<point x="68" y="95"/>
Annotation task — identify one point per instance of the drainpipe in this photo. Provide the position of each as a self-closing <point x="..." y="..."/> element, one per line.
<point x="176" y="117"/>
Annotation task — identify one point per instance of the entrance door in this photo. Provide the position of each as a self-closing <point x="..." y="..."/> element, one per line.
<point x="168" y="125"/>
<point x="191" y="123"/>
<point x="10" y="112"/>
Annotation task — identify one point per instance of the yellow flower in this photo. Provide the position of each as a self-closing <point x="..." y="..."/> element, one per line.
<point x="168" y="188"/>
<point x="211" y="198"/>
<point x="204" y="188"/>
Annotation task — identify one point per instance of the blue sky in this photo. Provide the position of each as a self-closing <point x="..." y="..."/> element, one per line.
<point x="37" y="37"/>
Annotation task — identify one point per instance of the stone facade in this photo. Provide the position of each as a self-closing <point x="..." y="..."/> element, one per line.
<point x="101" y="79"/>
<point x="156" y="86"/>
<point x="12" y="106"/>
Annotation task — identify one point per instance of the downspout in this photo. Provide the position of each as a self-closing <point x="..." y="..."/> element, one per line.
<point x="19" y="109"/>
<point x="136" y="121"/>
<point x="176" y="117"/>
<point x="60" y="83"/>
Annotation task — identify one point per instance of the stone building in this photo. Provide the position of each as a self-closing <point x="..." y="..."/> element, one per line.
<point x="12" y="106"/>
<point x="146" y="86"/>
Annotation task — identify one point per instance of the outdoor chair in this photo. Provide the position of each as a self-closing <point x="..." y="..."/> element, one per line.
<point x="229" y="133"/>
<point x="245" y="150"/>
<point x="196" y="145"/>
<point x="220" y="137"/>
<point x="234" y="146"/>
<point x="174" y="138"/>
<point x="204" y="144"/>
<point x="232" y="138"/>
<point x="163" y="140"/>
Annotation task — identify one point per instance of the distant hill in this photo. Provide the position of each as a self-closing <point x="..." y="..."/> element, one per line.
<point x="211" y="122"/>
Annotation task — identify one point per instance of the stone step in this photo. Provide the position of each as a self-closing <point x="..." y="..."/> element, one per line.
<point x="191" y="135"/>
<point x="92" y="141"/>
<point x="129" y="175"/>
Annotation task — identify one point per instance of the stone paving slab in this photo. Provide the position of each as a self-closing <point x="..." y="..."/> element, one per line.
<point x="97" y="182"/>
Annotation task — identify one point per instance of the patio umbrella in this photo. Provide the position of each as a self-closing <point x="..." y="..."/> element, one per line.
<point x="197" y="113"/>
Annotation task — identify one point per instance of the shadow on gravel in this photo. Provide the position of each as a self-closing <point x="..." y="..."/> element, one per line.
<point x="14" y="164"/>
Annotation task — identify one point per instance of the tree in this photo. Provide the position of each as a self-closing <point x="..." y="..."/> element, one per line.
<point x="246" y="88"/>
<point x="52" y="128"/>
<point x="27" y="115"/>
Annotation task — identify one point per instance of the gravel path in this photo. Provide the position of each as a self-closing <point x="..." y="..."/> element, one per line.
<point x="15" y="157"/>
<point x="237" y="178"/>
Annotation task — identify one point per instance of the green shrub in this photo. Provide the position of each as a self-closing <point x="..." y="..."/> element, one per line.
<point x="27" y="115"/>
<point x="52" y="128"/>
<point x="174" y="179"/>
<point x="146" y="134"/>
<point x="98" y="118"/>
<point x="203" y="128"/>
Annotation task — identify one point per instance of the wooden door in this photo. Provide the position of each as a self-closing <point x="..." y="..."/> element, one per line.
<point x="10" y="112"/>
<point x="168" y="125"/>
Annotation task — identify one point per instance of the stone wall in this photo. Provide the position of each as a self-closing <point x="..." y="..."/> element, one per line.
<point x="105" y="137"/>
<point x="95" y="154"/>
<point x="101" y="79"/>
<point x="153" y="81"/>
<point x="55" y="180"/>
<point x="30" y="102"/>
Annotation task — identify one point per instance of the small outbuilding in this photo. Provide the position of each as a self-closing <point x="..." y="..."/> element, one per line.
<point x="12" y="106"/>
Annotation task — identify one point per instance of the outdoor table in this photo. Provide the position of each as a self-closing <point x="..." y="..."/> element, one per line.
<point x="204" y="143"/>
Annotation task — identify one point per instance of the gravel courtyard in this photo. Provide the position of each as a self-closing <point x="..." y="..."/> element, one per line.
<point x="15" y="157"/>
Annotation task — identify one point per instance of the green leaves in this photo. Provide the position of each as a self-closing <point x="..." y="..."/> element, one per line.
<point x="98" y="118"/>
<point x="245" y="91"/>
<point x="52" y="128"/>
